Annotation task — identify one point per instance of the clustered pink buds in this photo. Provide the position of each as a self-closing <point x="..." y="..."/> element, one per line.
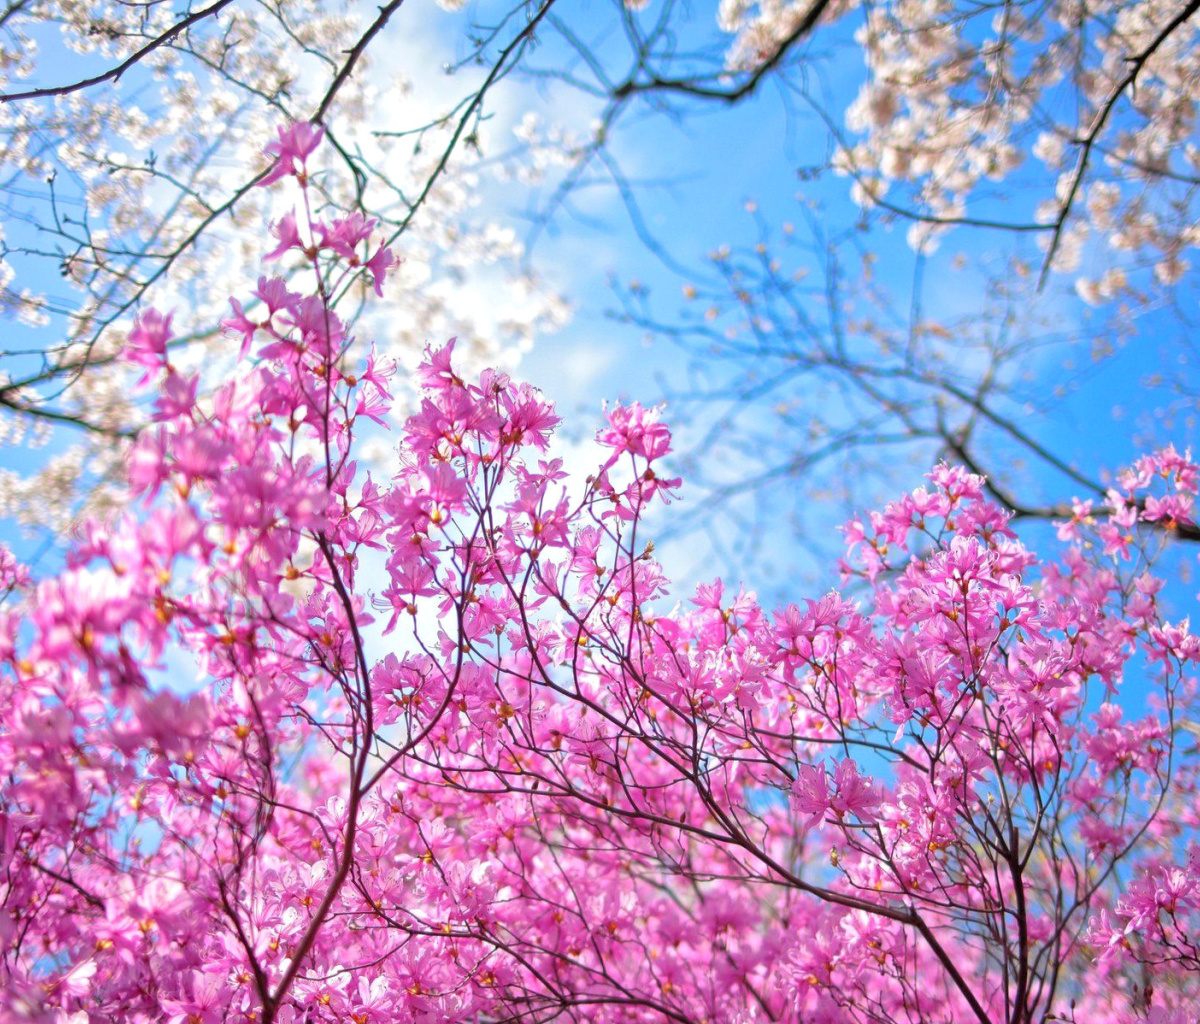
<point x="295" y="743"/>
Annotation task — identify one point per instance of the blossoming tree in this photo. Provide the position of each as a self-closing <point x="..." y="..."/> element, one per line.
<point x="290" y="741"/>
<point x="131" y="147"/>
<point x="131" y="136"/>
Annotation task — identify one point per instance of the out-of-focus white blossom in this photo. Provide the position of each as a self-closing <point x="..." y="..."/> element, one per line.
<point x="955" y="94"/>
<point x="153" y="159"/>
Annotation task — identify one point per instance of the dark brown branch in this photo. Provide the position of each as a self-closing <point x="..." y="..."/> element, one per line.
<point x="1136" y="63"/>
<point x="691" y="87"/>
<point x="1180" y="531"/>
<point x="352" y="57"/>
<point x="114" y="73"/>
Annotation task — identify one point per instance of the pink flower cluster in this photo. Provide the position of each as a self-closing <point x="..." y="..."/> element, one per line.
<point x="295" y="744"/>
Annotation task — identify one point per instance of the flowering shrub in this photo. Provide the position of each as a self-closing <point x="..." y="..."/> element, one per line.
<point x="455" y="755"/>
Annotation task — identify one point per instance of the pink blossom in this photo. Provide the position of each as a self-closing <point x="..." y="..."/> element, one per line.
<point x="296" y="143"/>
<point x="440" y="743"/>
<point x="635" y="430"/>
<point x="853" y="794"/>
<point x="810" y="794"/>
<point x="289" y="238"/>
<point x="147" y="343"/>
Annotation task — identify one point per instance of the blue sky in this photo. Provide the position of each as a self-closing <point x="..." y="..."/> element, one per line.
<point x="693" y="170"/>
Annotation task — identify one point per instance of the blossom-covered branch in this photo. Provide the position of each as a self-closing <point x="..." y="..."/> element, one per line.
<point x="293" y="741"/>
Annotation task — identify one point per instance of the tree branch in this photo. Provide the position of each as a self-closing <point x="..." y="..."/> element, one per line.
<point x="114" y="73"/>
